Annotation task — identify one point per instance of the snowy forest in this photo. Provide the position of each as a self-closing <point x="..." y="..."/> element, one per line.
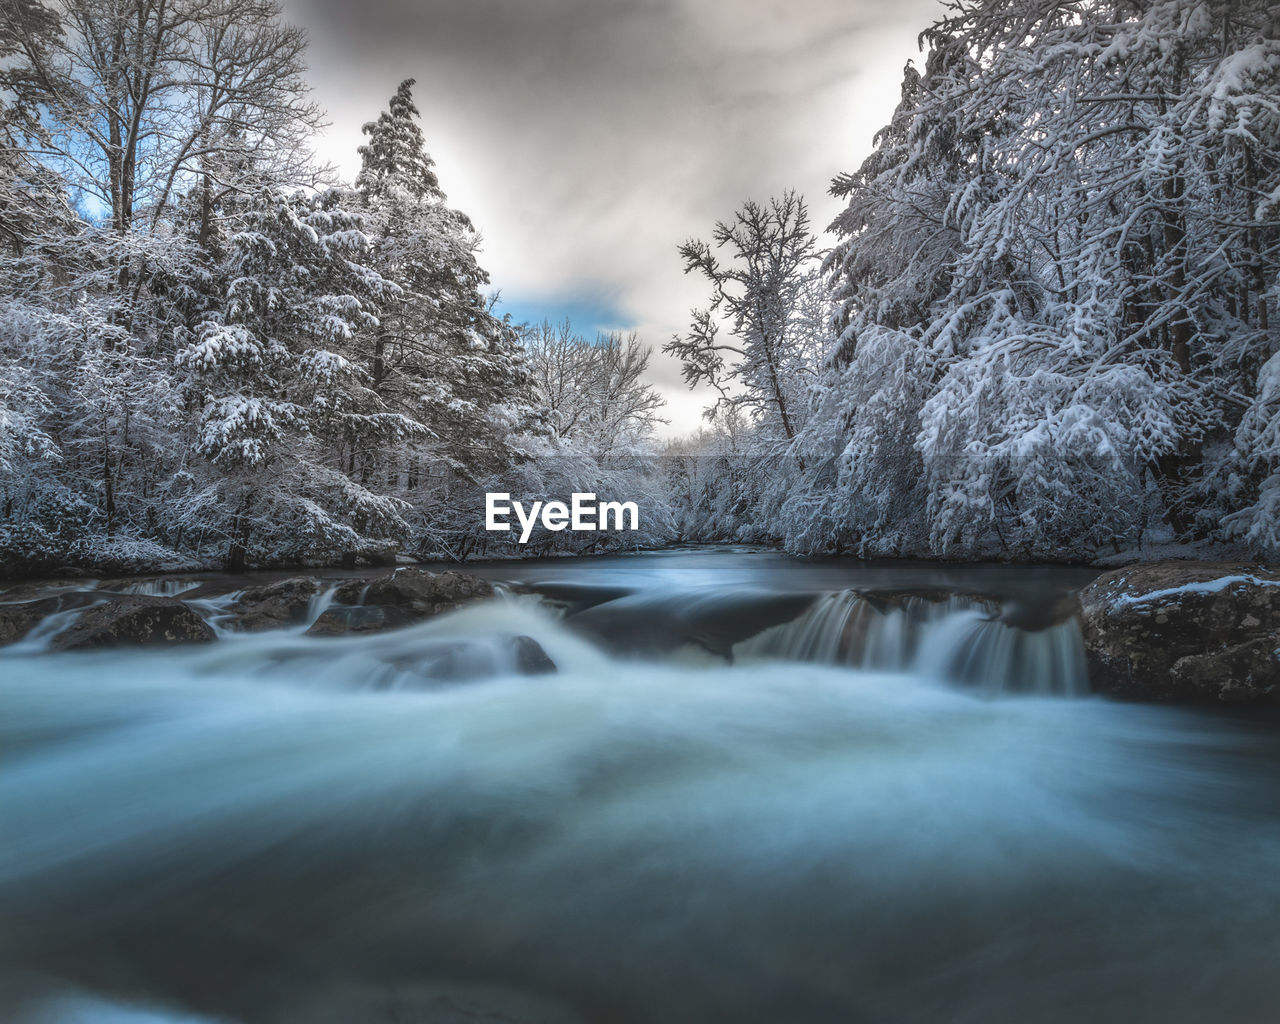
<point x="1044" y="325"/>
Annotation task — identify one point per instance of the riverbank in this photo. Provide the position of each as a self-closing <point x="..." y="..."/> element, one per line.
<point x="146" y="558"/>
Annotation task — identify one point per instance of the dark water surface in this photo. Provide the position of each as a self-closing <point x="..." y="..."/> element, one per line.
<point x="745" y="795"/>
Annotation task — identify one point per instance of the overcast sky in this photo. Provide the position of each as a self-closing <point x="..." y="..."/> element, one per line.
<point x="587" y="138"/>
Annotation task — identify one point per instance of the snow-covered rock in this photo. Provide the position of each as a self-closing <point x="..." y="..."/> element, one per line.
<point x="1185" y="631"/>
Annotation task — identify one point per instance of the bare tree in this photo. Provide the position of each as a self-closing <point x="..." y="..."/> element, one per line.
<point x="133" y="100"/>
<point x="594" y="392"/>
<point x="759" y="293"/>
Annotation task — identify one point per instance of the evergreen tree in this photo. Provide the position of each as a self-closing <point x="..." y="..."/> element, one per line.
<point x="281" y="399"/>
<point x="438" y="355"/>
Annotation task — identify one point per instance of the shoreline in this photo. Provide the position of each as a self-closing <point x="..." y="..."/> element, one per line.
<point x="115" y="571"/>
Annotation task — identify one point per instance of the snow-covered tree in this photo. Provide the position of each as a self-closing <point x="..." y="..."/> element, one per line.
<point x="133" y="100"/>
<point x="280" y="398"/>
<point x="593" y="394"/>
<point x="438" y="354"/>
<point x="1049" y="284"/>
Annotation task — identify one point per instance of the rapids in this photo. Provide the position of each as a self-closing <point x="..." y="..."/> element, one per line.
<point x="747" y="794"/>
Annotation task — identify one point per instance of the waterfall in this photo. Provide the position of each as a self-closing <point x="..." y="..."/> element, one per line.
<point x="319" y="604"/>
<point x="217" y="611"/>
<point x="959" y="639"/>
<point x="43" y="632"/>
<point x="153" y="588"/>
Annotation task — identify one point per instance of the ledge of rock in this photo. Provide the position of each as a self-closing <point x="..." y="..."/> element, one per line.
<point x="399" y="599"/>
<point x="361" y="605"/>
<point x="418" y="593"/>
<point x="129" y="620"/>
<point x="275" y="605"/>
<point x="18" y="619"/>
<point x="1184" y="631"/>
<point x="342" y="620"/>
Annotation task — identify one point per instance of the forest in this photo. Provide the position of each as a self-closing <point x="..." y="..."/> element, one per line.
<point x="1044" y="325"/>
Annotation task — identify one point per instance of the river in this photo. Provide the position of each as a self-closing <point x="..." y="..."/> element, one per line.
<point x="744" y="795"/>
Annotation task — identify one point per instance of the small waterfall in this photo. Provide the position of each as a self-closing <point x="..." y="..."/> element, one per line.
<point x="153" y="588"/>
<point x="319" y="604"/>
<point x="40" y="635"/>
<point x="848" y="628"/>
<point x="980" y="651"/>
<point x="959" y="639"/>
<point x="216" y="611"/>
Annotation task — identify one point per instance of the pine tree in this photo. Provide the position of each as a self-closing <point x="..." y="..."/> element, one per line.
<point x="439" y="355"/>
<point x="280" y="398"/>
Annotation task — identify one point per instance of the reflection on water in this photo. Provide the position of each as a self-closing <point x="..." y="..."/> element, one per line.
<point x="279" y="828"/>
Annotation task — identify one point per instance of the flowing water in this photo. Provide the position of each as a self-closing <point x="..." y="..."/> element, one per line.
<point x="752" y="791"/>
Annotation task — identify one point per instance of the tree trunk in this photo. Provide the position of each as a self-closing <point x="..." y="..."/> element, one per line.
<point x="1175" y="236"/>
<point x="108" y="488"/>
<point x="237" y="550"/>
<point x="206" y="212"/>
<point x="379" y="361"/>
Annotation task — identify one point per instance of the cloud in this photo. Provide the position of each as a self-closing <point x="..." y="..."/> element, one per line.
<point x="587" y="138"/>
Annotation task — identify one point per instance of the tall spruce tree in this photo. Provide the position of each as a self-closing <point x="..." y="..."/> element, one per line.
<point x="438" y="354"/>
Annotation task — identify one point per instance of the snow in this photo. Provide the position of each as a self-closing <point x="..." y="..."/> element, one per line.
<point x="1047" y="326"/>
<point x="1206" y="587"/>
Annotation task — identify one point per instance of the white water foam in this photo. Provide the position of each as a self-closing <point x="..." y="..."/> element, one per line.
<point x="261" y="838"/>
<point x="957" y="639"/>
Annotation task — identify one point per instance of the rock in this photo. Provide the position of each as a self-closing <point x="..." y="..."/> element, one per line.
<point x="17" y="620"/>
<point x="416" y="591"/>
<point x="1184" y="631"/>
<point x="531" y="659"/>
<point x="713" y="622"/>
<point x="399" y="599"/>
<point x="469" y="659"/>
<point x="275" y="605"/>
<point x="20" y="618"/>
<point x="383" y="556"/>
<point x="340" y="620"/>
<point x="133" y="620"/>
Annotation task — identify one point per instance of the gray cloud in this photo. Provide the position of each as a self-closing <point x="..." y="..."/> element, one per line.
<point x="586" y="138"/>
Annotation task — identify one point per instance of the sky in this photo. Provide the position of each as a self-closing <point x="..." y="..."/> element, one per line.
<point x="587" y="138"/>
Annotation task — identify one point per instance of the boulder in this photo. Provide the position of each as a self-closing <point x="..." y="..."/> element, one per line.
<point x="341" y="620"/>
<point x="275" y="605"/>
<point x="531" y="659"/>
<point x="17" y="620"/>
<point x="136" y="619"/>
<point x="399" y="599"/>
<point x="1184" y="631"/>
<point x="418" y="593"/>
